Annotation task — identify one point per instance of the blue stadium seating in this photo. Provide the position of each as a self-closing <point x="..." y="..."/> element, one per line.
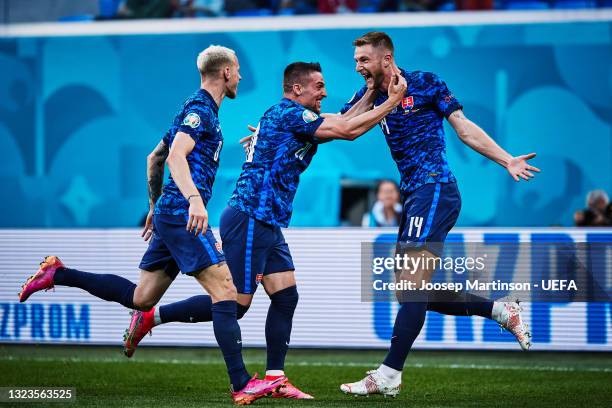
<point x="574" y="4"/>
<point x="526" y="5"/>
<point x="108" y="8"/>
<point x="252" y="13"/>
<point x="448" y="6"/>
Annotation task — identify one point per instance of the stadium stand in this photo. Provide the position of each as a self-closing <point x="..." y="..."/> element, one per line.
<point x="19" y="11"/>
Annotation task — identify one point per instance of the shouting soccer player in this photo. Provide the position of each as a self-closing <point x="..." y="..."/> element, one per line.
<point x="415" y="135"/>
<point x="181" y="238"/>
<point x="281" y="148"/>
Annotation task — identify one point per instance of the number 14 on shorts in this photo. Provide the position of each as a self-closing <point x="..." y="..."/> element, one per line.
<point x="416" y="223"/>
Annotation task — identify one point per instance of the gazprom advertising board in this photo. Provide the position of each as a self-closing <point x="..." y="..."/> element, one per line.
<point x="332" y="311"/>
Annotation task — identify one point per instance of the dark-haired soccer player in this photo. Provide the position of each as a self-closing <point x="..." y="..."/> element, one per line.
<point x="431" y="200"/>
<point x="281" y="148"/>
<point x="182" y="238"/>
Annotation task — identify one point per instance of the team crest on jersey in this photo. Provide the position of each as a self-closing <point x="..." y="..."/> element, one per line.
<point x="408" y="102"/>
<point x="218" y="246"/>
<point x="192" y="120"/>
<point x="309" y="116"/>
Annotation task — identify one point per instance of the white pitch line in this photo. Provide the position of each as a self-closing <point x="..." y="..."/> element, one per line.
<point x="319" y="364"/>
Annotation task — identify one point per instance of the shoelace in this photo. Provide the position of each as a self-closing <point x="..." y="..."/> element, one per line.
<point x="32" y="277"/>
<point x="370" y="383"/>
<point x="372" y="378"/>
<point x="516" y="308"/>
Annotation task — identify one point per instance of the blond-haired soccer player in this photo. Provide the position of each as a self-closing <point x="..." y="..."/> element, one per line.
<point x="177" y="224"/>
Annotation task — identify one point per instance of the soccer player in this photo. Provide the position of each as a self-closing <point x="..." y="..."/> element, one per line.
<point x="181" y="238"/>
<point x="281" y="148"/>
<point x="431" y="201"/>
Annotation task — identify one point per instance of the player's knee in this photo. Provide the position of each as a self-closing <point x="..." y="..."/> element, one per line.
<point x="286" y="298"/>
<point x="143" y="304"/>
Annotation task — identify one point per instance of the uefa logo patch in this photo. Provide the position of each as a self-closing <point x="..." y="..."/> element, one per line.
<point x="192" y="120"/>
<point x="258" y="278"/>
<point x="309" y="116"/>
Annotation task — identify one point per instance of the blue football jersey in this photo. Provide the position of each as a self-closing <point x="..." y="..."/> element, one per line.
<point x="281" y="149"/>
<point x="198" y="117"/>
<point x="414" y="129"/>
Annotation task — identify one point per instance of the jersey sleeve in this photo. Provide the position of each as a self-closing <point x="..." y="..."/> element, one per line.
<point x="356" y="97"/>
<point x="302" y="122"/>
<point x="197" y="121"/>
<point x="443" y="99"/>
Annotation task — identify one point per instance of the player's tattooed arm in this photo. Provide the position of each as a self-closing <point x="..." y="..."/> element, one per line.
<point x="476" y="138"/>
<point x="155" y="179"/>
<point x="155" y="171"/>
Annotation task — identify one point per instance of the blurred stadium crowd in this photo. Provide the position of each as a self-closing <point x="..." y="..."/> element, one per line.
<point x="20" y="11"/>
<point x="598" y="211"/>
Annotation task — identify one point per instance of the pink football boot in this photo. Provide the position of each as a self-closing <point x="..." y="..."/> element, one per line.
<point x="140" y="325"/>
<point x="42" y="279"/>
<point x="288" y="390"/>
<point x="256" y="389"/>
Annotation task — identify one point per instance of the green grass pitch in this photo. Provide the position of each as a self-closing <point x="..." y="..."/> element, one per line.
<point x="190" y="377"/>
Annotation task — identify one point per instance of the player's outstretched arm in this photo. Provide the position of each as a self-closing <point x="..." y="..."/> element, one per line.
<point x="155" y="178"/>
<point x="182" y="145"/>
<point x="472" y="135"/>
<point x="364" y="104"/>
<point x="339" y="127"/>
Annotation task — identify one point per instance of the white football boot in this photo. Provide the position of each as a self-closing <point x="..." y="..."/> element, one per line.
<point x="373" y="383"/>
<point x="508" y="315"/>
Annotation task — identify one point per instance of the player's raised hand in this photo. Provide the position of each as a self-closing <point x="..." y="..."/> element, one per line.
<point x="198" y="216"/>
<point x="246" y="141"/>
<point x="397" y="87"/>
<point x="147" y="231"/>
<point x="518" y="167"/>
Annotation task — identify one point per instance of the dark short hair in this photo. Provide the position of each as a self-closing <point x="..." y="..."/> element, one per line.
<point x="296" y="72"/>
<point x="375" y="39"/>
<point x="383" y="181"/>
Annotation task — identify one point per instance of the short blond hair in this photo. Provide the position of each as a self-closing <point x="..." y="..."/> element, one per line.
<point x="214" y="58"/>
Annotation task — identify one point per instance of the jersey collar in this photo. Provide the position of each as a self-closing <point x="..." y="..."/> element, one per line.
<point x="208" y="96"/>
<point x="292" y="102"/>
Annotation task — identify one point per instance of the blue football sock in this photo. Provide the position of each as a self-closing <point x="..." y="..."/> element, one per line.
<point x="464" y="305"/>
<point x="227" y="333"/>
<point x="408" y="323"/>
<point x="193" y="310"/>
<point x="278" y="326"/>
<point x="107" y="287"/>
